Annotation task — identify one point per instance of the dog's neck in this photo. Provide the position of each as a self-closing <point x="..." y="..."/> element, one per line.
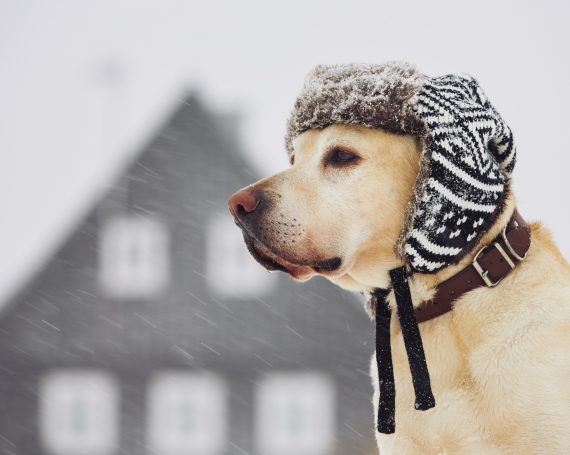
<point x="423" y="285"/>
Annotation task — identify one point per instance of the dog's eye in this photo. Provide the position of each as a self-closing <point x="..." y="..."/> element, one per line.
<point x="340" y="156"/>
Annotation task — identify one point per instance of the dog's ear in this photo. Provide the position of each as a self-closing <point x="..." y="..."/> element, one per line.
<point x="467" y="160"/>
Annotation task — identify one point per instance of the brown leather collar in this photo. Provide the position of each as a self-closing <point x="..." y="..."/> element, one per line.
<point x="491" y="264"/>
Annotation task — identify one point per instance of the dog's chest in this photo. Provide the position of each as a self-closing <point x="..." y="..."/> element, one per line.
<point x="488" y="381"/>
<point x="459" y="376"/>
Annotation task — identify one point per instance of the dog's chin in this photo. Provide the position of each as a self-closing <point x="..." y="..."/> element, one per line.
<point x="298" y="271"/>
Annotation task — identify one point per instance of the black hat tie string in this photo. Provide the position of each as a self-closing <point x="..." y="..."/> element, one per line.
<point x="414" y="349"/>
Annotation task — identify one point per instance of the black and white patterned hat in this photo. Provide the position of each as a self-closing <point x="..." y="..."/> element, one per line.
<point x="468" y="151"/>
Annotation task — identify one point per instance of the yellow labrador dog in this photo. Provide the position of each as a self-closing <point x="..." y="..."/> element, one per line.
<point x="499" y="361"/>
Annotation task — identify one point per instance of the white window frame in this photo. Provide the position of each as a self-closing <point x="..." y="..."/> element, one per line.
<point x="205" y="395"/>
<point x="79" y="412"/>
<point x="295" y="413"/>
<point x="146" y="239"/>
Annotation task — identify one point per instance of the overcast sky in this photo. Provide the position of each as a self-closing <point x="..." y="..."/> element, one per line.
<point x="84" y="83"/>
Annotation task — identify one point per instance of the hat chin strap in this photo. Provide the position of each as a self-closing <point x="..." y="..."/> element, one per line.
<point x="386" y="422"/>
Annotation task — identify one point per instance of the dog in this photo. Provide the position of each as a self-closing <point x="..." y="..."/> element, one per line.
<point x="499" y="361"/>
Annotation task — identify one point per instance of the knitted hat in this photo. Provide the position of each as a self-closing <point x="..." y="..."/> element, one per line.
<point x="467" y="157"/>
<point x="468" y="150"/>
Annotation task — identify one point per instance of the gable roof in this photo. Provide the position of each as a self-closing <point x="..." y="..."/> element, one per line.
<point x="184" y="177"/>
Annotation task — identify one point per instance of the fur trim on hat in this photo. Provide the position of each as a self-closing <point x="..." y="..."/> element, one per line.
<point x="368" y="95"/>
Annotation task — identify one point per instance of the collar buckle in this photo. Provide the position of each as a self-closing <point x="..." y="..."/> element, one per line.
<point x="509" y="246"/>
<point x="484" y="274"/>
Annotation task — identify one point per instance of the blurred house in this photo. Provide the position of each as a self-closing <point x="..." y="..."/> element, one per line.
<point x="152" y="330"/>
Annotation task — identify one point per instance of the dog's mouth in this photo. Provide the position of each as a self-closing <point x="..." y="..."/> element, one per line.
<point x="272" y="261"/>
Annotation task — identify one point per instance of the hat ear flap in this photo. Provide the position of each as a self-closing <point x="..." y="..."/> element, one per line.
<point x="469" y="153"/>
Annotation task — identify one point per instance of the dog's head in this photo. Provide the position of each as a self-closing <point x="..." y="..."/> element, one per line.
<point x="339" y="208"/>
<point x="388" y="167"/>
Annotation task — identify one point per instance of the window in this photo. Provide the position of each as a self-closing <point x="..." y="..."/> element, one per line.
<point x="79" y="413"/>
<point x="134" y="257"/>
<point x="230" y="268"/>
<point x="187" y="413"/>
<point x="295" y="413"/>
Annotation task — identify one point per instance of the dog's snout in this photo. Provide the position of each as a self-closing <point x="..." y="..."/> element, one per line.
<point x="243" y="202"/>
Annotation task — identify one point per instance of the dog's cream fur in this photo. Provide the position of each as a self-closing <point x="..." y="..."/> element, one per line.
<point x="499" y="362"/>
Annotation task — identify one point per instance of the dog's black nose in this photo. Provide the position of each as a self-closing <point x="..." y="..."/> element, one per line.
<point x="243" y="202"/>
